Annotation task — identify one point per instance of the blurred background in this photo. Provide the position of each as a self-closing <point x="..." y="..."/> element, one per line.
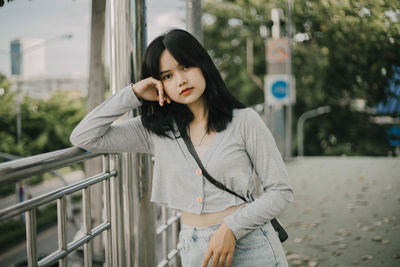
<point x="324" y="74"/>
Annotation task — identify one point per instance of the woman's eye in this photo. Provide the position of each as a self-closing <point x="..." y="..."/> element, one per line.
<point x="185" y="67"/>
<point x="166" y="77"/>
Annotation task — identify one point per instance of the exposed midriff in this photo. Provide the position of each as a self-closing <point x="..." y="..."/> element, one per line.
<point x="206" y="219"/>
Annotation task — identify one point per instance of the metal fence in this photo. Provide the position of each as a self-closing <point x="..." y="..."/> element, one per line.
<point x="111" y="228"/>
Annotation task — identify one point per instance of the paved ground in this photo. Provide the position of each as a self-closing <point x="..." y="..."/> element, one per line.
<point x="346" y="212"/>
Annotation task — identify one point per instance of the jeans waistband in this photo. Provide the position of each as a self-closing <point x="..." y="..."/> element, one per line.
<point x="200" y="230"/>
<point x="207" y="230"/>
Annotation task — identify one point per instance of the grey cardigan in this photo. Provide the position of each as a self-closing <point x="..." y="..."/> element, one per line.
<point x="245" y="145"/>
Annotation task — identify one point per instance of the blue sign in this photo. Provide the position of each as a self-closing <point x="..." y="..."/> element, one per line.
<point x="280" y="89"/>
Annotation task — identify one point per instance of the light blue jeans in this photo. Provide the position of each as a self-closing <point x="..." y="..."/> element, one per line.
<point x="259" y="248"/>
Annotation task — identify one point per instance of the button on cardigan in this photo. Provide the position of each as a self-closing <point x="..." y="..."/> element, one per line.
<point x="246" y="145"/>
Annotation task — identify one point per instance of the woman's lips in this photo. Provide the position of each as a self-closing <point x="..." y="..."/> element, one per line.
<point x="186" y="91"/>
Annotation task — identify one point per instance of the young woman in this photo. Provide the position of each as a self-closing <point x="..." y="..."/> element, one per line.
<point x="182" y="91"/>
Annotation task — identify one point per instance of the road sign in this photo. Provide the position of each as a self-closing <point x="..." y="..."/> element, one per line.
<point x="277" y="50"/>
<point x="278" y="89"/>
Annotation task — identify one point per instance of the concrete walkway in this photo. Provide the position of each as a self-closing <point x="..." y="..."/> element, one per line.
<point x="346" y="212"/>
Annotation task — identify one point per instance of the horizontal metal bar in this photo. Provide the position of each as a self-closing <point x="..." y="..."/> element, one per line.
<point x="16" y="170"/>
<point x="173" y="219"/>
<point x="162" y="263"/>
<point x="52" y="258"/>
<point x="51" y="196"/>
<point x="162" y="228"/>
<point x="170" y="221"/>
<point x="171" y="255"/>
<point x="95" y="232"/>
<point x="55" y="256"/>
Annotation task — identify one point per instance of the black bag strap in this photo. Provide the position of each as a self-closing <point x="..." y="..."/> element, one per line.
<point x="277" y="226"/>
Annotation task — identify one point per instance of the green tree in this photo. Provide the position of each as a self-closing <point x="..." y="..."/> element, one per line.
<point x="226" y="26"/>
<point x="46" y="124"/>
<point x="345" y="50"/>
<point x="8" y="116"/>
<point x="352" y="47"/>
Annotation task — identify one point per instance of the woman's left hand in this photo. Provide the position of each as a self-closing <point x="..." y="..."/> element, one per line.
<point x="221" y="247"/>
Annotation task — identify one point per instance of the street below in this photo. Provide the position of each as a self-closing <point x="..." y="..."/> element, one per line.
<point x="345" y="212"/>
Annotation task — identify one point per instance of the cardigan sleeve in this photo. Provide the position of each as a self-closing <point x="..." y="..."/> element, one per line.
<point x="97" y="132"/>
<point x="270" y="168"/>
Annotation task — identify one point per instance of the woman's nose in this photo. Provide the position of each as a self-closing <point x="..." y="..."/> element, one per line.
<point x="181" y="79"/>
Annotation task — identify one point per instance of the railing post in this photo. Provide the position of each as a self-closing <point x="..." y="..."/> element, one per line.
<point x="31" y="242"/>
<point x="87" y="226"/>
<point x="164" y="234"/>
<point x="62" y="233"/>
<point x="115" y="220"/>
<point x="129" y="209"/>
<point x="145" y="213"/>
<point x="107" y="212"/>
<point x="176" y="227"/>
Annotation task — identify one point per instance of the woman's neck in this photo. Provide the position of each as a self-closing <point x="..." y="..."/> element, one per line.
<point x="198" y="111"/>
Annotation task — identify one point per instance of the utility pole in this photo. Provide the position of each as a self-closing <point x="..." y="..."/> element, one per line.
<point x="193" y="19"/>
<point x="279" y="85"/>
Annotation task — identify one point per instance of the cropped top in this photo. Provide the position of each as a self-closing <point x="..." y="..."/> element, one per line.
<point x="246" y="145"/>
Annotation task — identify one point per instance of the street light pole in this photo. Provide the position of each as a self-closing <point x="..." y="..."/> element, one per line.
<point x="300" y="125"/>
<point x="18" y="99"/>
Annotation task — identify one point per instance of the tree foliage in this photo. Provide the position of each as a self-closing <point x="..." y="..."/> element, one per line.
<point x="46" y="124"/>
<point x="343" y="51"/>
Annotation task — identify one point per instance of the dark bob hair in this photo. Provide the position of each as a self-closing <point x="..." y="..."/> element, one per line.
<point x="186" y="50"/>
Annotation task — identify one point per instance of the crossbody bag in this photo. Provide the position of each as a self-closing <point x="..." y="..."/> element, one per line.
<point x="275" y="223"/>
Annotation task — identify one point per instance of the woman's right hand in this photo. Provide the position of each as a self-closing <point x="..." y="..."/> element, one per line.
<point x="151" y="89"/>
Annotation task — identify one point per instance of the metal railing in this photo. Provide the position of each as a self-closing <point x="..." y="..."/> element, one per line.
<point x="111" y="227"/>
<point x="167" y="222"/>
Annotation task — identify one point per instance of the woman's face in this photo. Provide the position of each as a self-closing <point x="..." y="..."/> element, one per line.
<point x="183" y="84"/>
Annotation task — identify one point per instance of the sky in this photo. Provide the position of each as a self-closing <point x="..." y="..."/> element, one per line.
<point x="48" y="19"/>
